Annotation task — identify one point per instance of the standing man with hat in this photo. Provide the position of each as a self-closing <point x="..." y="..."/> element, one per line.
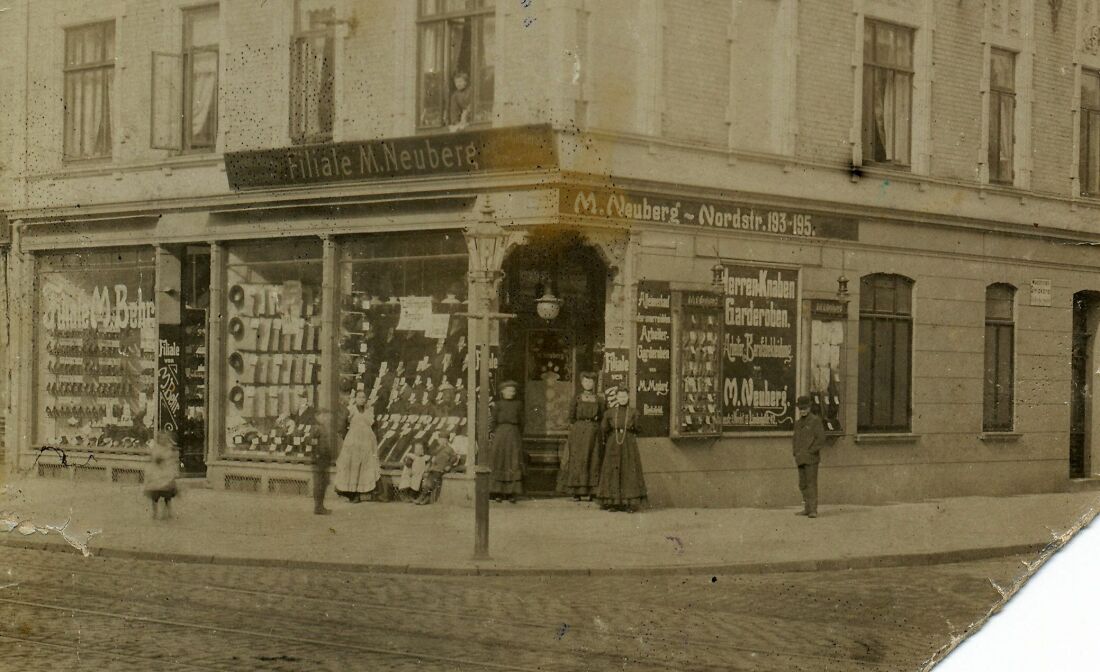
<point x="809" y="437"/>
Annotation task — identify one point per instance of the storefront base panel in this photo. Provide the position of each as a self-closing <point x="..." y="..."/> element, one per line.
<point x="776" y="486"/>
<point x="118" y="469"/>
<point x="297" y="479"/>
<point x="261" y="477"/>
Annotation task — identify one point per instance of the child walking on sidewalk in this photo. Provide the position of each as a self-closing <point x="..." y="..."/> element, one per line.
<point x="161" y="474"/>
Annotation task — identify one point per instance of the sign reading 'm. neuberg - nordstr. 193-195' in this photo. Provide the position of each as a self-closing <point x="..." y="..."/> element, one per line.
<point x="731" y="216"/>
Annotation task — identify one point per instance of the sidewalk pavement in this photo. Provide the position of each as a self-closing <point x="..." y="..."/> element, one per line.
<point x="533" y="536"/>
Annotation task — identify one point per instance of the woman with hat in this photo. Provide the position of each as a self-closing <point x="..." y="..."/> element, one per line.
<point x="580" y="466"/>
<point x="357" y="468"/>
<point x="505" y="444"/>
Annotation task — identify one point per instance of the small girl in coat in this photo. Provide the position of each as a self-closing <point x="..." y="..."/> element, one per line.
<point x="622" y="485"/>
<point x="506" y="445"/>
<point x="161" y="474"/>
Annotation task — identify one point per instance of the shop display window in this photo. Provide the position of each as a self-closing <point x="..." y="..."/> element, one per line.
<point x="273" y="349"/>
<point x="96" y="339"/>
<point x="401" y="341"/>
<point x="699" y="332"/>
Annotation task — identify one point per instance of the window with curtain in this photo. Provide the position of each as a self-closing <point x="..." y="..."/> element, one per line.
<point x="1089" y="167"/>
<point x="185" y="87"/>
<point x="456" y="42"/>
<point x="887" y="92"/>
<point x="997" y="401"/>
<point x="313" y="76"/>
<point x="1002" y="114"/>
<point x="89" y="80"/>
<point x="885" y="353"/>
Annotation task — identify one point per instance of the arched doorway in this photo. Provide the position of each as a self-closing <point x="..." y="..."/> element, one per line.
<point x="546" y="356"/>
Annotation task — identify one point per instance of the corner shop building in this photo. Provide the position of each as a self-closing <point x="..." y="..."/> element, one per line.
<point x="242" y="320"/>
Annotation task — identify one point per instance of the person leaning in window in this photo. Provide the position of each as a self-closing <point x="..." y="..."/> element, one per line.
<point x="459" y="111"/>
<point x="809" y="437"/>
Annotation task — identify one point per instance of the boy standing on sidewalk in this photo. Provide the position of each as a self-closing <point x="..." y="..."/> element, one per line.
<point x="809" y="437"/>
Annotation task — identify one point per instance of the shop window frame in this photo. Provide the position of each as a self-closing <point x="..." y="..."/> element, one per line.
<point x="876" y="321"/>
<point x="176" y="73"/>
<point x="1001" y="114"/>
<point x="890" y="70"/>
<point x="476" y="12"/>
<point x="1088" y="169"/>
<point x="1000" y="331"/>
<point x="73" y="131"/>
<point x="308" y="90"/>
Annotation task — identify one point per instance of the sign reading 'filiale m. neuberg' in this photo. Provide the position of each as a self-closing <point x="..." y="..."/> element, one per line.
<point x="517" y="148"/>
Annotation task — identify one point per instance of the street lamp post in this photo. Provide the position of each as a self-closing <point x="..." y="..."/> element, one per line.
<point x="485" y="242"/>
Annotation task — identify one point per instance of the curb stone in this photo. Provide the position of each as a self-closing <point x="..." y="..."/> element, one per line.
<point x="782" y="566"/>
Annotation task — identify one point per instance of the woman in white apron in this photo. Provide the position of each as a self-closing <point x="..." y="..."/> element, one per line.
<point x="357" y="468"/>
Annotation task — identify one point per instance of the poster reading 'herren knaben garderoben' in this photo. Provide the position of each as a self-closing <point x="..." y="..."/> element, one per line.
<point x="758" y="363"/>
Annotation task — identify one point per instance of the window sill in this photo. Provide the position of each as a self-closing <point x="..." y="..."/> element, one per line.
<point x="1000" y="437"/>
<point x="886" y="437"/>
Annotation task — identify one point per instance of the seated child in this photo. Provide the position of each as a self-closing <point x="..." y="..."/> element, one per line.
<point x="444" y="459"/>
<point x="161" y="474"/>
<point x="414" y="466"/>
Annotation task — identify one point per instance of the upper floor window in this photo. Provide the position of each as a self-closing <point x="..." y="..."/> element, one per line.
<point x="185" y="87"/>
<point x="885" y="353"/>
<point x="89" y="80"/>
<point x="456" y="43"/>
<point x="887" y="92"/>
<point x="999" y="329"/>
<point x="313" y="75"/>
<point x="1089" y="166"/>
<point x="1002" y="115"/>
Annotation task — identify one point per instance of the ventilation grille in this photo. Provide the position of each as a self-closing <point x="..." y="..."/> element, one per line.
<point x="83" y="473"/>
<point x="288" y="486"/>
<point x="51" y="471"/>
<point x="127" y="476"/>
<point x="240" y="483"/>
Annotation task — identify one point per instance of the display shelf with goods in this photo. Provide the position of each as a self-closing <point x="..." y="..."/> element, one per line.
<point x="699" y="353"/>
<point x="273" y="350"/>
<point x="96" y="339"/>
<point x="401" y="342"/>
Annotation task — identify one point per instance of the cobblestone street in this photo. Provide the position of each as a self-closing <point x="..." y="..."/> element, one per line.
<point x="61" y="611"/>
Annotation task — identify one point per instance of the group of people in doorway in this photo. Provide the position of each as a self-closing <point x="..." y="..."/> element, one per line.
<point x="599" y="461"/>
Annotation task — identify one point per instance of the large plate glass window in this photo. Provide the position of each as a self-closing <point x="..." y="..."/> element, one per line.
<point x="273" y="348"/>
<point x="401" y="342"/>
<point x="96" y="339"/>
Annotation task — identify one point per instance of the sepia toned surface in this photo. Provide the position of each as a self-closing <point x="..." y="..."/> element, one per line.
<point x="259" y="256"/>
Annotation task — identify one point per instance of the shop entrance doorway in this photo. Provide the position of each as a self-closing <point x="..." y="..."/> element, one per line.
<point x="195" y="298"/>
<point x="546" y="356"/>
<point x="1085" y="318"/>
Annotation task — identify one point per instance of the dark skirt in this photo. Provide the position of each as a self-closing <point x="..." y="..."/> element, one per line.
<point x="581" y="465"/>
<point x="166" y="493"/>
<point x="506" y="461"/>
<point x="621" y="479"/>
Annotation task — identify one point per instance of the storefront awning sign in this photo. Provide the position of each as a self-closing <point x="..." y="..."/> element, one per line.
<point x="515" y="148"/>
<point x="730" y="216"/>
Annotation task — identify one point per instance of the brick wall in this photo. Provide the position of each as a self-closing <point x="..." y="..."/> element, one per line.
<point x="826" y="34"/>
<point x="956" y="95"/>
<point x="1052" y="131"/>
<point x="696" y="70"/>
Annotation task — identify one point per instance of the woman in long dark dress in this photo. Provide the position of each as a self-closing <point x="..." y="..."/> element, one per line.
<point x="581" y="457"/>
<point x="622" y="485"/>
<point x="505" y="445"/>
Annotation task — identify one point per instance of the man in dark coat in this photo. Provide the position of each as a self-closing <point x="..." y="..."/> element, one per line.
<point x="322" y="462"/>
<point x="809" y="437"/>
